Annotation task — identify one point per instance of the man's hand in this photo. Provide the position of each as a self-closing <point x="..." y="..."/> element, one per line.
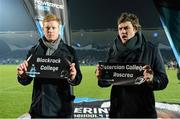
<point x="98" y="71"/>
<point x="148" y="74"/>
<point x="73" y="71"/>
<point x="22" y="68"/>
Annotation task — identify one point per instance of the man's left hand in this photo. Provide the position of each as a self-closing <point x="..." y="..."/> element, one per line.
<point x="73" y="71"/>
<point x="148" y="74"/>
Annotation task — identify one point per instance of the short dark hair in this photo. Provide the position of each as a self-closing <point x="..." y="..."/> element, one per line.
<point x="125" y="16"/>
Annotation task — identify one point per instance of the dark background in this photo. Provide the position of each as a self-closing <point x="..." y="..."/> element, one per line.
<point x="100" y="14"/>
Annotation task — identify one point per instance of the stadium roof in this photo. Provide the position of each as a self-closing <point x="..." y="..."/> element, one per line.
<point x="84" y="14"/>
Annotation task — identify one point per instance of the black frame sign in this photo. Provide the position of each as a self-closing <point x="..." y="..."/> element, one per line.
<point x="122" y="73"/>
<point x="48" y="67"/>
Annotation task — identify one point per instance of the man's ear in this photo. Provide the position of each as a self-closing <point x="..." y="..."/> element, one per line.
<point x="43" y="29"/>
<point x="135" y="29"/>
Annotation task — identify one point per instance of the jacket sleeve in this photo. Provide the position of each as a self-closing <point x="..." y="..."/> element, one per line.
<point x="78" y="77"/>
<point x="24" y="80"/>
<point x="160" y="79"/>
<point x="102" y="83"/>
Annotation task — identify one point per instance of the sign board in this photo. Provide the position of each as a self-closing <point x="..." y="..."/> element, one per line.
<point x="93" y="109"/>
<point x="48" y="67"/>
<point x="122" y="73"/>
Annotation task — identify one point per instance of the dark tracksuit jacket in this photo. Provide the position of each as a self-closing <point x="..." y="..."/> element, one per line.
<point x="52" y="97"/>
<point x="137" y="100"/>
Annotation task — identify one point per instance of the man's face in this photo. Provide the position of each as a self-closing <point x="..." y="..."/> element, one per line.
<point x="51" y="30"/>
<point x="126" y="31"/>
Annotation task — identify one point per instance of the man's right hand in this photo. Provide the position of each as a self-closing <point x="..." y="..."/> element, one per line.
<point x="22" y="68"/>
<point x="98" y="71"/>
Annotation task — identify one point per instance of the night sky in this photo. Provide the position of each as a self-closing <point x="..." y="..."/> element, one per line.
<point x="102" y="14"/>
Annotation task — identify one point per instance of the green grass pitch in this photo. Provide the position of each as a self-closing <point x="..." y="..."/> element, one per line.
<point x="15" y="99"/>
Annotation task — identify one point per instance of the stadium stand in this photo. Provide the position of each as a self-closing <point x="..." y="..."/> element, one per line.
<point x="91" y="45"/>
